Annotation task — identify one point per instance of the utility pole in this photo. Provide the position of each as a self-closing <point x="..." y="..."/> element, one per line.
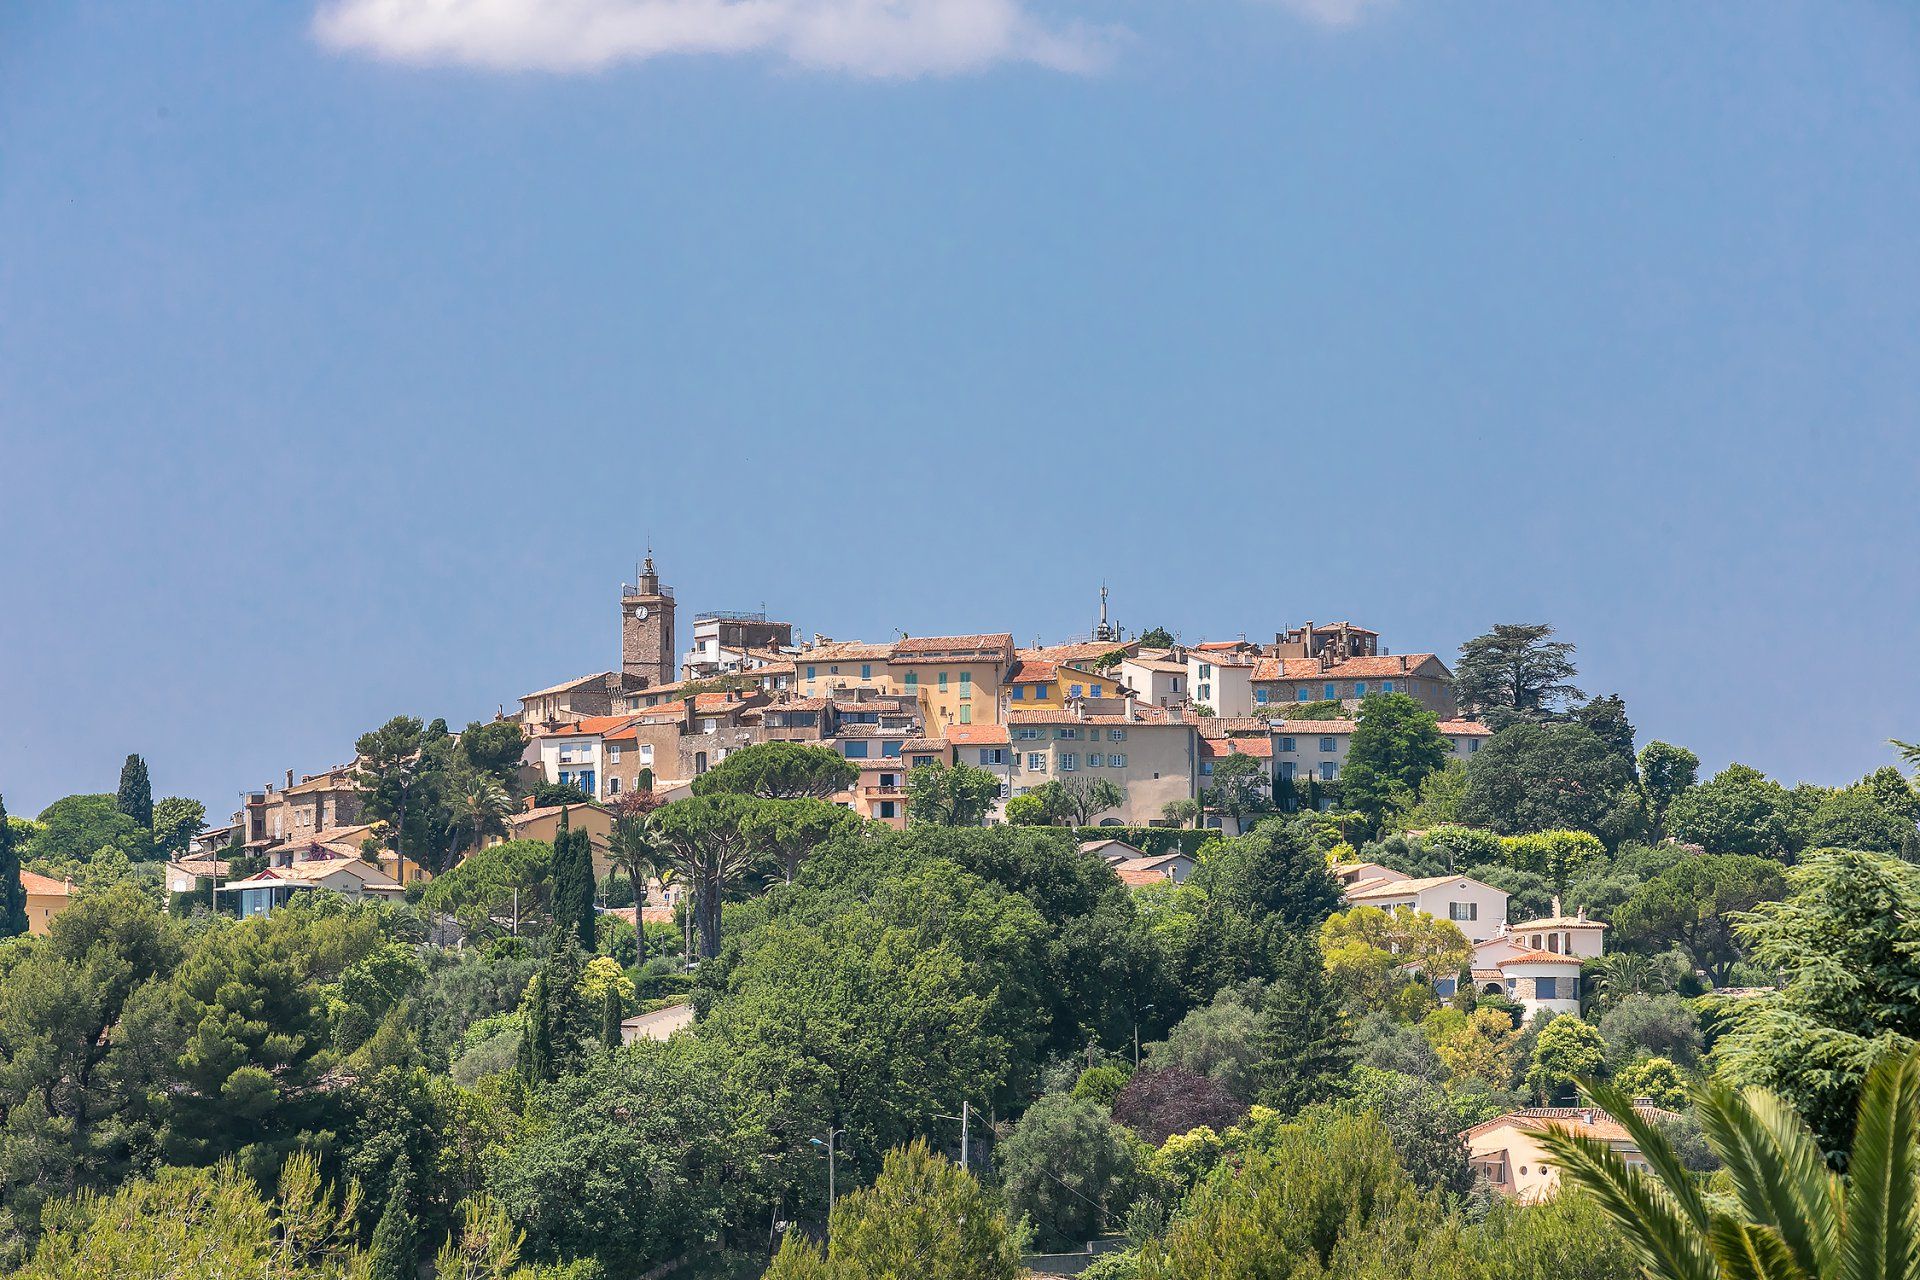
<point x="833" y="1137"/>
<point x="965" y="1117"/>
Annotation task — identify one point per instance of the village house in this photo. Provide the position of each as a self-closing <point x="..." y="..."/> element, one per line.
<point x="727" y="641"/>
<point x="1151" y="753"/>
<point x="1317" y="748"/>
<point x="1041" y="683"/>
<point x="1277" y="682"/>
<point x="183" y="874"/>
<point x="544" y="824"/>
<point x="583" y="697"/>
<point x="1157" y="677"/>
<point x="984" y="746"/>
<point x="317" y="802"/>
<point x="955" y="679"/>
<point x="46" y="898"/>
<point x="1220" y="676"/>
<point x="1506" y="1151"/>
<point x="315" y="866"/>
<point x="1479" y="910"/>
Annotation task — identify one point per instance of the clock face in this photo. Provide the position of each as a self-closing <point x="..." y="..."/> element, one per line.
<point x="639" y="611"/>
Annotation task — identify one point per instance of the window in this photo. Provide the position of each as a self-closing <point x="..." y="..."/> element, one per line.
<point x="833" y="670"/>
<point x="1206" y="768"/>
<point x="1206" y="692"/>
<point x="1303" y="693"/>
<point x="966" y="712"/>
<point x="613" y="753"/>
<point x="1463" y="911"/>
<point x="1116" y="735"/>
<point x="1260" y="696"/>
<point x="646" y="753"/>
<point x="1473" y="745"/>
<point x="913" y="679"/>
<point x="1073" y="691"/>
<point x="1286" y="744"/>
<point x="613" y="786"/>
<point x="1360" y="689"/>
<point x="1043" y="691"/>
<point x="709" y="725"/>
<point x="1095" y="760"/>
<point x="966" y="684"/>
<point x="1026" y="733"/>
<point x="887" y="809"/>
<point x="1036" y="762"/>
<point x="992" y="755"/>
<point x="1019" y="693"/>
<point x="1066" y="733"/>
<point x="810" y="673"/>
<point x="1546" y="988"/>
<point x="1117" y="760"/>
<point x="866" y="671"/>
<point x="1326" y="771"/>
<point x="1443" y="987"/>
<point x="889" y="748"/>
<point x="1326" y="746"/>
<point x="1286" y="770"/>
<point x="1206" y="671"/>
<point x="1386" y="686"/>
<point x="1069" y="762"/>
<point x="1330" y="692"/>
<point x="855" y="750"/>
<point x="1095" y="691"/>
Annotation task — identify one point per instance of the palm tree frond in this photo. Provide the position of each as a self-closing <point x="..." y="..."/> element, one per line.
<point x="1670" y="1245"/>
<point x="1659" y="1153"/>
<point x="1779" y="1177"/>
<point x="1879" y="1238"/>
<point x="1748" y="1252"/>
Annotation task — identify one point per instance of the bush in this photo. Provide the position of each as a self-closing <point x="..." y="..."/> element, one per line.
<point x="1067" y="1168"/>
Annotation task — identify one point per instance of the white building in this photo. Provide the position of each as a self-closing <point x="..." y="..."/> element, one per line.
<point x="1156" y="677"/>
<point x="1318" y="748"/>
<point x="1223" y="681"/>
<point x="1478" y="910"/>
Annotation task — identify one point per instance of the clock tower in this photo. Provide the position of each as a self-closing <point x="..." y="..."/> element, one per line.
<point x="646" y="628"/>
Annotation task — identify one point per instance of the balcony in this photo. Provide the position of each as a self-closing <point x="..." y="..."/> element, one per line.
<point x="628" y="590"/>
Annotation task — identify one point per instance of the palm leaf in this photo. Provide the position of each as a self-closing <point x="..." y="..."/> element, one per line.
<point x="1779" y="1177"/>
<point x="1879" y="1238"/>
<point x="1749" y="1252"/>
<point x="1659" y="1153"/>
<point x="1671" y="1245"/>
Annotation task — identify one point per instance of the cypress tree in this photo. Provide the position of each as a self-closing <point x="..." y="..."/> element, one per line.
<point x="395" y="1253"/>
<point x="1304" y="1035"/>
<point x="13" y="895"/>
<point x="136" y="793"/>
<point x="610" y="1012"/>
<point x="573" y="884"/>
<point x="1465" y="998"/>
<point x="536" y="1037"/>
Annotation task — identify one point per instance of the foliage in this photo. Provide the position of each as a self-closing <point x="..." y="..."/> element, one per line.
<point x="1367" y="950"/>
<point x="1067" y="1168"/>
<point x="135" y="797"/>
<point x="1666" y="772"/>
<point x="923" y="1217"/>
<point x="75" y="828"/>
<point x="1846" y="941"/>
<point x="1786" y="1214"/>
<point x="1396" y="745"/>
<point x="1516" y="672"/>
<point x="1160" y="1101"/>
<point x="708" y="843"/>
<point x="1656" y="1079"/>
<point x="13" y="896"/>
<point x="573" y="884"/>
<point x="184" y="1224"/>
<point x="394" y="1251"/>
<point x="960" y="796"/>
<point x="1738" y="810"/>
<point x="512" y="879"/>
<point x="636" y="1159"/>
<point x="1435" y="802"/>
<point x="1694" y="905"/>
<point x="1240" y="785"/>
<point x="176" y="821"/>
<point x="1532" y="777"/>
<point x="1567" y="1051"/>
<point x="1224" y="1040"/>
<point x="1099" y="1085"/>
<point x="1029" y="810"/>
<point x="1421" y="1125"/>
<point x="1855" y="818"/>
<point x="1473" y="1045"/>
<point x="779" y="771"/>
<point x="1157" y="638"/>
<point x="1084" y="797"/>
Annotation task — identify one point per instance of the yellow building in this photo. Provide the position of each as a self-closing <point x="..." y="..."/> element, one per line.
<point x="844" y="664"/>
<point x="46" y="898"/>
<point x="1037" y="684"/>
<point x="955" y="679"/>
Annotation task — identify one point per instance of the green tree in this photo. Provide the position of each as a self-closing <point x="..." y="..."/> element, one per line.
<point x="785" y="832"/>
<point x="1533" y="777"/>
<point x="922" y="1217"/>
<point x="708" y="841"/>
<point x="1029" y="810"/>
<point x="176" y="821"/>
<point x="1066" y="1167"/>
<point x="1854" y="818"/>
<point x="1785" y="1214"/>
<point x="1306" y="1048"/>
<point x="1396" y="744"/>
<point x="495" y="750"/>
<point x="1738" y="810"/>
<point x="779" y="771"/>
<point x="1845" y="941"/>
<point x="395" y="1252"/>
<point x="13" y="897"/>
<point x="481" y="806"/>
<point x="573" y="884"/>
<point x="400" y="771"/>
<point x="1516" y="672"/>
<point x="1607" y="717"/>
<point x="75" y="828"/>
<point x="1566" y="1052"/>
<point x="1240" y="786"/>
<point x="637" y="849"/>
<point x="1694" y="905"/>
<point x="639" y="1158"/>
<point x="1666" y="772"/>
<point x="1157" y="638"/>
<point x="1656" y="1079"/>
<point x="1085" y="797"/>
<point x="960" y="796"/>
<point x="510" y="880"/>
<point x="135" y="798"/>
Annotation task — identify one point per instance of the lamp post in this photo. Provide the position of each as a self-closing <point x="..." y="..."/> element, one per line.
<point x="833" y="1138"/>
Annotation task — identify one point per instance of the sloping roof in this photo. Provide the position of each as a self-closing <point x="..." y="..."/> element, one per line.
<point x="845" y="651"/>
<point x="953" y="648"/>
<point x="590" y="727"/>
<point x="1222" y="646"/>
<point x="1164" y="665"/>
<point x="1586" y="1122"/>
<point x="1220" y="748"/>
<point x="1152" y="861"/>
<point x="1233" y="727"/>
<point x="1540" y="957"/>
<point x="1465" y="728"/>
<point x="976" y="735"/>
<point x="1144" y="714"/>
<point x="1401" y="888"/>
<point x="1079" y="651"/>
<point x="1032" y="671"/>
<point x="1309" y="728"/>
<point x="1105" y="848"/>
<point x="340" y="777"/>
<point x="923" y="745"/>
<point x="1384" y="667"/>
<point x="1558" y="922"/>
<point x="547" y="811"/>
<point x="565" y="685"/>
<point x="1138" y="877"/>
<point x="44" y="886"/>
<point x="199" y="866"/>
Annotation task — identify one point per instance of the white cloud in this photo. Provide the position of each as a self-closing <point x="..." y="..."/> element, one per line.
<point x="1333" y="13"/>
<point x="883" y="38"/>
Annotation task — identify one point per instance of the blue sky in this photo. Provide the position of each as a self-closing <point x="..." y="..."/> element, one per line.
<point x="349" y="356"/>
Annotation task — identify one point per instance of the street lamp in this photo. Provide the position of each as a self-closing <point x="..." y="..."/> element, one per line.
<point x="833" y="1137"/>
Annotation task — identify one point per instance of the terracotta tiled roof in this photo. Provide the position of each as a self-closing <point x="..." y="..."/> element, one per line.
<point x="953" y="648"/>
<point x="1398" y="888"/>
<point x="1151" y="862"/>
<point x="1032" y="671"/>
<point x="1384" y="667"/>
<point x="1222" y="646"/>
<point x="565" y="685"/>
<point x="923" y="745"/>
<point x="1586" y="1122"/>
<point x="1308" y="728"/>
<point x="44" y="886"/>
<point x="976" y="735"/>
<point x="1165" y="665"/>
<point x="1557" y="922"/>
<point x="338" y="778"/>
<point x="1232" y="726"/>
<point x="1140" y="877"/>
<point x="1079" y="651"/>
<point x="1540" y="957"/>
<point x="1066" y="715"/>
<point x="845" y="651"/>
<point x="1465" y="729"/>
<point x="1219" y="748"/>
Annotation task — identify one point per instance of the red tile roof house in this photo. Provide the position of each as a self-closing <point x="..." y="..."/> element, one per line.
<point x="1279" y="681"/>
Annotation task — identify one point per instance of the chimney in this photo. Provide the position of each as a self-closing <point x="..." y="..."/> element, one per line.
<point x="1133" y="711"/>
<point x="289" y="778"/>
<point x="1403" y="662"/>
<point x="1583" y="913"/>
<point x="1556" y="906"/>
